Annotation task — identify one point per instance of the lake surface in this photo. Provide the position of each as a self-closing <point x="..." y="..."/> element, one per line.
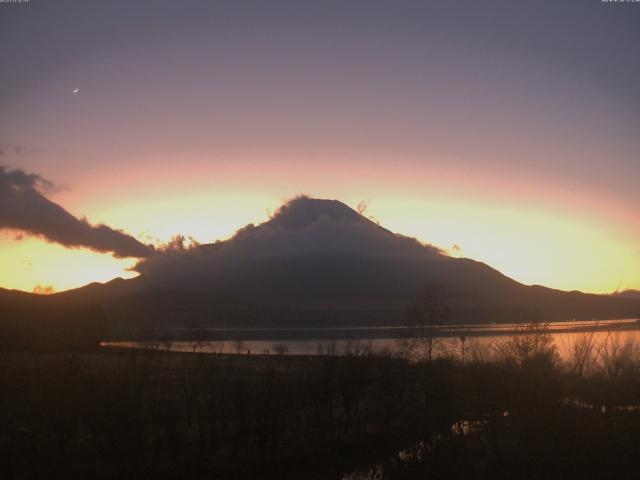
<point x="479" y="340"/>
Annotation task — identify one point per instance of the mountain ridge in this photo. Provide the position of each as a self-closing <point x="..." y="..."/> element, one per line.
<point x="319" y="262"/>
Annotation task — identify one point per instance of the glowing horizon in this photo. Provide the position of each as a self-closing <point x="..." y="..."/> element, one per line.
<point x="484" y="125"/>
<point x="521" y="242"/>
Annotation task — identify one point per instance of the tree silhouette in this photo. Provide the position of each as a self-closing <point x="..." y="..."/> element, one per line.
<point x="424" y="315"/>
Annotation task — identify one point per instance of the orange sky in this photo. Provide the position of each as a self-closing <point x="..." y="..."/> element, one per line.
<point x="489" y="125"/>
<point x="548" y="236"/>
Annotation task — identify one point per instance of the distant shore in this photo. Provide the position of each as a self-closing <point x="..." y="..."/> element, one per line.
<point x="386" y="332"/>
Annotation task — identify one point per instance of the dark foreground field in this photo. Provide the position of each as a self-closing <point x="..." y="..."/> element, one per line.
<point x="153" y="414"/>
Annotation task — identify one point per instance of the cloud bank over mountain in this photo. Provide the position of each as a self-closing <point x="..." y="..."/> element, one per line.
<point x="23" y="207"/>
<point x="317" y="263"/>
<point x="303" y="227"/>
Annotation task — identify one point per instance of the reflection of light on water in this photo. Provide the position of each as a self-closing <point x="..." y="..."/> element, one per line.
<point x="616" y="338"/>
<point x="465" y="427"/>
<point x="477" y="347"/>
<point x="416" y="453"/>
<point x="462" y="427"/>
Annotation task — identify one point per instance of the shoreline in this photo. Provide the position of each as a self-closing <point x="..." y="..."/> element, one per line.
<point x="370" y="333"/>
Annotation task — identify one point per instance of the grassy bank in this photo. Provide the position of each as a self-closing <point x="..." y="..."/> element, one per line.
<point x="137" y="414"/>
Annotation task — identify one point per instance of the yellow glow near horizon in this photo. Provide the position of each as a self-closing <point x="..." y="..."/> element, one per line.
<point x="29" y="262"/>
<point x="531" y="245"/>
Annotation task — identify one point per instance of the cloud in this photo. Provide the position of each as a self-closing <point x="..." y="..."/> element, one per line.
<point x="23" y="207"/>
<point x="303" y="227"/>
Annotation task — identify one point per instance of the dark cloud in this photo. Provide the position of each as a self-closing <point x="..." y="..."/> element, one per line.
<point x="23" y="207"/>
<point x="303" y="227"/>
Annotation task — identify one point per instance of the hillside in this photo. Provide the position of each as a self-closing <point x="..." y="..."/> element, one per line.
<point x="318" y="262"/>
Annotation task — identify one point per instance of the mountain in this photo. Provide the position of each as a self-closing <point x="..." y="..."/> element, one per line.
<point x="49" y="322"/>
<point x="635" y="294"/>
<point x="320" y="263"/>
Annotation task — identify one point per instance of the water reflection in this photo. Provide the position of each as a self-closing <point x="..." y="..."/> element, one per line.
<point x="476" y="342"/>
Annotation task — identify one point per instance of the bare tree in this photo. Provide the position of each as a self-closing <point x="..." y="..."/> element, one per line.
<point x="424" y="315"/>
<point x="280" y="349"/>
<point x="530" y="341"/>
<point x="618" y="358"/>
<point x="238" y="346"/>
<point x="581" y="353"/>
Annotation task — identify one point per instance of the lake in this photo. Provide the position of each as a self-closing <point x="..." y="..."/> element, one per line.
<point x="478" y="340"/>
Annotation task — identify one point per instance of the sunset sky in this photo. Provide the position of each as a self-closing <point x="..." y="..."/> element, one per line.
<point x="503" y="131"/>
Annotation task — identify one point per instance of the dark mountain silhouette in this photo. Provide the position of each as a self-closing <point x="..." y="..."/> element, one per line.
<point x="49" y="322"/>
<point x="628" y="294"/>
<point x="320" y="263"/>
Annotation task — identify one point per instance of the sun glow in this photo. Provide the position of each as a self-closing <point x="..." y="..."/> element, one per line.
<point x="532" y="245"/>
<point x="28" y="263"/>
